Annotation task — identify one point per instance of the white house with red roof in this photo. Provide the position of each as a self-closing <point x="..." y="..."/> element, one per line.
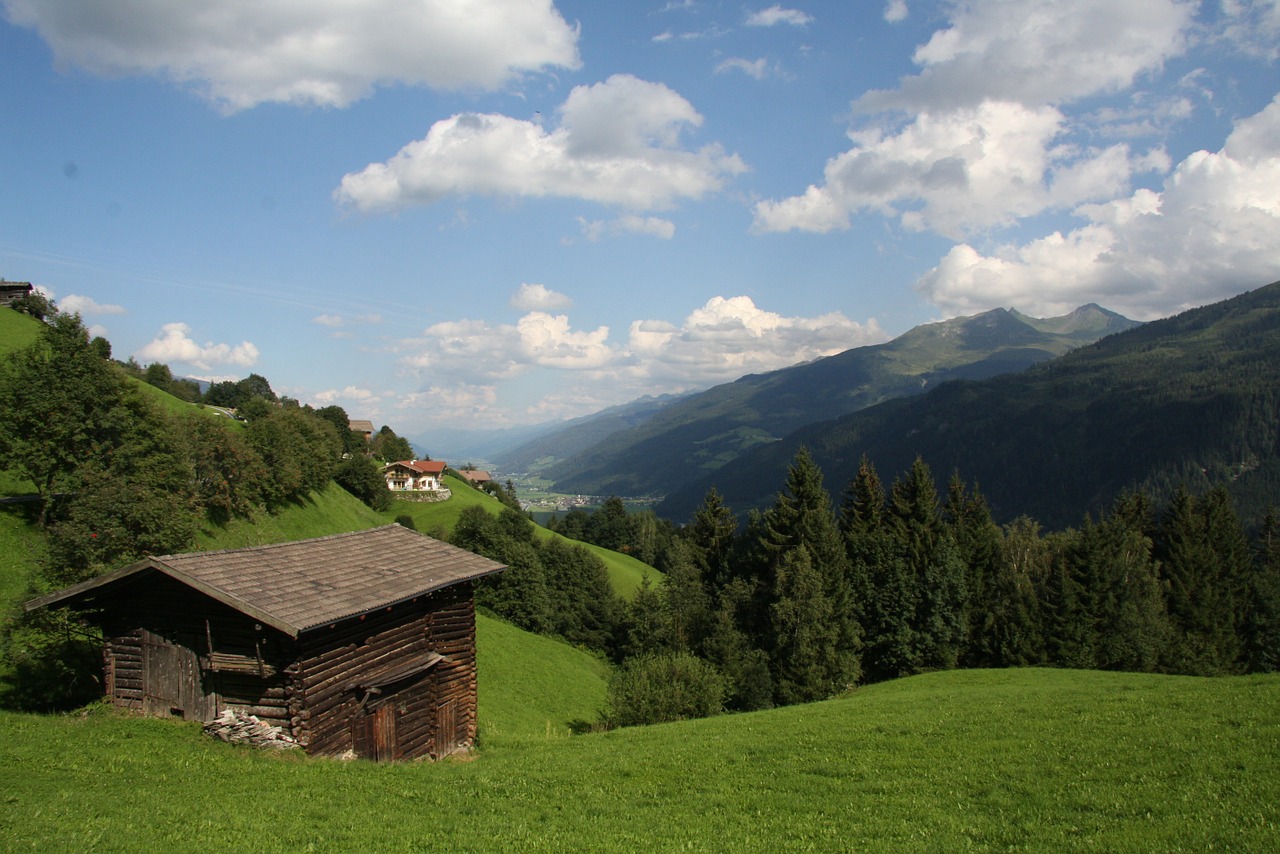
<point x="415" y="476"/>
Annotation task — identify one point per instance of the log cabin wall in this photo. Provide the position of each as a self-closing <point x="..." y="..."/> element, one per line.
<point x="172" y="651"/>
<point x="429" y="711"/>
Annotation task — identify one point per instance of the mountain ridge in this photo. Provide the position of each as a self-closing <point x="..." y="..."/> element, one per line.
<point x="1191" y="399"/>
<point x="703" y="431"/>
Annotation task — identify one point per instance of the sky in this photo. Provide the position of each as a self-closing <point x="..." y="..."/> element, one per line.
<point x="493" y="213"/>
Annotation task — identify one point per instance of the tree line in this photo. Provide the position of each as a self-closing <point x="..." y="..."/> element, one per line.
<point x="810" y="598"/>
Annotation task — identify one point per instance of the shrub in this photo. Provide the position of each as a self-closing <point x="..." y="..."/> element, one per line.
<point x="661" y="687"/>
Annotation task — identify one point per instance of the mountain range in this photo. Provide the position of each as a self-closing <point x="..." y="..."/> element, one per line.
<point x="657" y="446"/>
<point x="1191" y="400"/>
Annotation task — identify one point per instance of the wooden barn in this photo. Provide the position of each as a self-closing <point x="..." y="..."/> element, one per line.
<point x="360" y="642"/>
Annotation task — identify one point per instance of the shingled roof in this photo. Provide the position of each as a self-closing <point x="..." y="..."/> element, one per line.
<point x="303" y="585"/>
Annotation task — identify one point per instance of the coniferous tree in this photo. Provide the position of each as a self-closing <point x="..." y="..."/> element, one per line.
<point x="802" y="519"/>
<point x="883" y="591"/>
<point x="935" y="568"/>
<point x="711" y="534"/>
<point x="1260" y="631"/>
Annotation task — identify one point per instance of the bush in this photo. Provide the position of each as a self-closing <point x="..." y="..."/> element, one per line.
<point x="657" y="688"/>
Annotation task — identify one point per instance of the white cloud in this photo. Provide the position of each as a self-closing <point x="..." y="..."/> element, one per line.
<point x="538" y="297"/>
<point x="896" y="11"/>
<point x="1253" y="26"/>
<point x="985" y="140"/>
<point x="1032" y="52"/>
<point x="454" y="403"/>
<point x="174" y="344"/>
<point x="777" y="15"/>
<point x="757" y="68"/>
<point x="325" y="52"/>
<point x="652" y="226"/>
<point x="87" y="307"/>
<point x="333" y="321"/>
<point x="1213" y="229"/>
<point x="718" y="342"/>
<point x="351" y="393"/>
<point x="956" y="172"/>
<point x="729" y="337"/>
<point x="617" y="144"/>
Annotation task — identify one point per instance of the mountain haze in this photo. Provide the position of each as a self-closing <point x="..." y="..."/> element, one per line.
<point x="702" y="432"/>
<point x="1191" y="399"/>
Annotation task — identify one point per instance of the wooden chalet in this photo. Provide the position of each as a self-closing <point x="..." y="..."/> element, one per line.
<point x="362" y="426"/>
<point x="476" y="477"/>
<point x="360" y="642"/>
<point x="10" y="291"/>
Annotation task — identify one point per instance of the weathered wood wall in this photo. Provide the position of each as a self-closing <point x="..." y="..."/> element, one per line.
<point x="332" y="712"/>
<point x="149" y="625"/>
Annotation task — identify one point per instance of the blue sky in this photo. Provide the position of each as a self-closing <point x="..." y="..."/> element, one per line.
<point x="504" y="212"/>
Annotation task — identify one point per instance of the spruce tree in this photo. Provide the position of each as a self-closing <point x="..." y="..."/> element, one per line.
<point x="935" y="568"/>
<point x="802" y="519"/>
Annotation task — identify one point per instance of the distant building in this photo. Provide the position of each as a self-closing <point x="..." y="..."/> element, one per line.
<point x="476" y="477"/>
<point x="10" y="291"/>
<point x="415" y="476"/>
<point x="364" y="428"/>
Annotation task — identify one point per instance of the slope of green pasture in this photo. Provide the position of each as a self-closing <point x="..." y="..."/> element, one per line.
<point x="174" y="406"/>
<point x="533" y="688"/>
<point x="17" y="330"/>
<point x="20" y="547"/>
<point x="438" y="518"/>
<point x="333" y="511"/>
<point x="1043" y="760"/>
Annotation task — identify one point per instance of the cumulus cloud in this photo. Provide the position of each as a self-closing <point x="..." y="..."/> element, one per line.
<point x="327" y="53"/>
<point x="718" y="342"/>
<point x="618" y="143"/>
<point x="1212" y="229"/>
<point x="87" y="306"/>
<point x="1253" y="26"/>
<point x="985" y="140"/>
<point x="775" y="15"/>
<point x="957" y="172"/>
<point x="896" y="11"/>
<point x="174" y="344"/>
<point x="1031" y="52"/>
<point x="538" y="297"/>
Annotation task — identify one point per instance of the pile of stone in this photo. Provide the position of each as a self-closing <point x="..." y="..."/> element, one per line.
<point x="239" y="728"/>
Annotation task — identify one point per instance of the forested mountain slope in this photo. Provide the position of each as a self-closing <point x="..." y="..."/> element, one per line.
<point x="702" y="432"/>
<point x="1193" y="398"/>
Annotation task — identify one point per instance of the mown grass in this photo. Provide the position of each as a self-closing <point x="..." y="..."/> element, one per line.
<point x="331" y="511"/>
<point x="533" y="688"/>
<point x="1022" y="759"/>
<point x="17" y="330"/>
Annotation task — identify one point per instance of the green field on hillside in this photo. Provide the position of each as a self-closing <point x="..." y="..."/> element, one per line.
<point x="1045" y="760"/>
<point x="626" y="574"/>
<point x="17" y="330"/>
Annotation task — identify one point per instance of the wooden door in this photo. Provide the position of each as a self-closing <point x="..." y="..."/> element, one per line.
<point x="446" y="728"/>
<point x="172" y="681"/>
<point x="385" y="746"/>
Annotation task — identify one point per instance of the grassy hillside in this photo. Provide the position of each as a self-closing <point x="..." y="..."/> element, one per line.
<point x="333" y="511"/>
<point x="16" y="330"/>
<point x="1028" y="759"/>
<point x="533" y="688"/>
<point x="626" y="574"/>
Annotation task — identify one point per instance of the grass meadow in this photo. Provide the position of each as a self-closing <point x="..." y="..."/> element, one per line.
<point x="991" y="760"/>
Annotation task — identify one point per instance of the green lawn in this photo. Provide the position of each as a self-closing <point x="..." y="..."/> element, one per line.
<point x="16" y="330"/>
<point x="1041" y="760"/>
<point x="333" y="511"/>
